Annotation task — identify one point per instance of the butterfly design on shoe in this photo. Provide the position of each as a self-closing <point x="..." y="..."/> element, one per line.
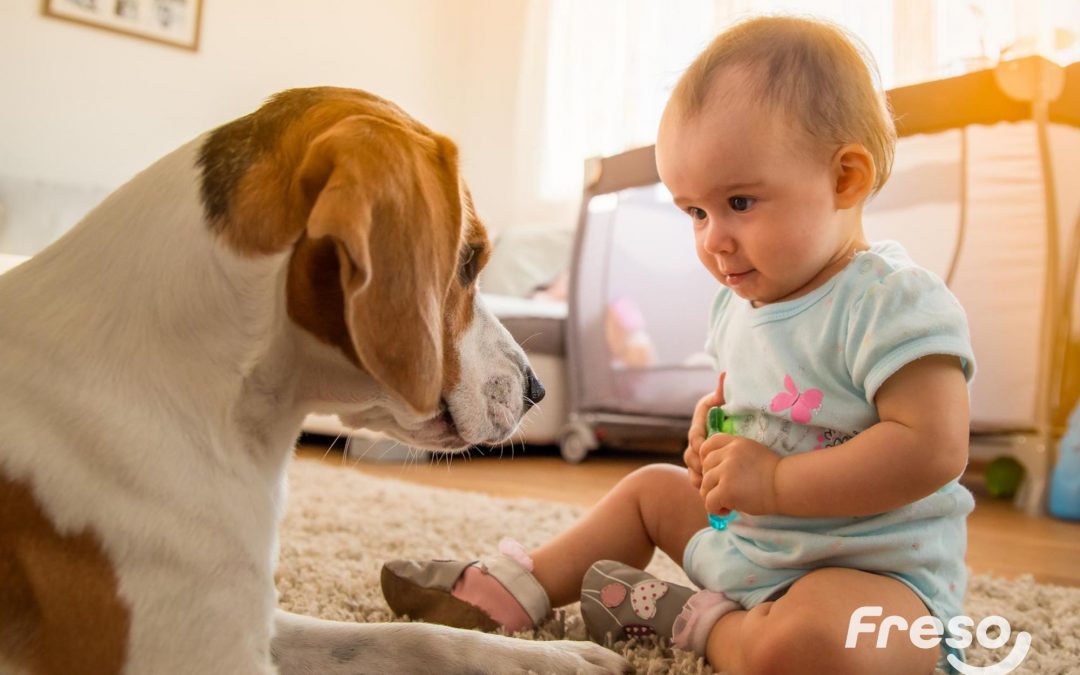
<point x="803" y="404"/>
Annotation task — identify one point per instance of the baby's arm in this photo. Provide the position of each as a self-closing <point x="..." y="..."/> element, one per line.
<point x="920" y="444"/>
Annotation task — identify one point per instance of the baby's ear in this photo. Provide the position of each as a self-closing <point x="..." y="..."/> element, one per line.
<point x="854" y="171"/>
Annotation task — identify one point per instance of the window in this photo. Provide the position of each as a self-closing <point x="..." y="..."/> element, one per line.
<point x="607" y="66"/>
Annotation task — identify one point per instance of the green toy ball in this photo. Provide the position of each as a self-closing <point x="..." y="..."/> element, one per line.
<point x="1003" y="476"/>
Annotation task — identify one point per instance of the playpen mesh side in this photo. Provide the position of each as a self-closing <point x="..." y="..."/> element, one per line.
<point x="642" y="307"/>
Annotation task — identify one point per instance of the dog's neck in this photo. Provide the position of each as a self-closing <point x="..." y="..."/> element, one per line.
<point x="142" y="289"/>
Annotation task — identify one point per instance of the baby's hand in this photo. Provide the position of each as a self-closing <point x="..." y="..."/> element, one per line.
<point x="697" y="434"/>
<point x="738" y="474"/>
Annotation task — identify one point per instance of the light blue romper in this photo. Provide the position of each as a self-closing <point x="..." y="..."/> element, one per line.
<point x="802" y="375"/>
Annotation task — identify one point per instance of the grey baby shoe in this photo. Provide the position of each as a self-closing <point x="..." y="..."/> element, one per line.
<point x="620" y="602"/>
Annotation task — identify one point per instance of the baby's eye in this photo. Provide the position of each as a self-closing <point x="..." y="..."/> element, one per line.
<point x="741" y="204"/>
<point x="696" y="213"/>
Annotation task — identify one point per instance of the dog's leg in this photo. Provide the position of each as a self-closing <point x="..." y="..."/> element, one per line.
<point x="304" y="645"/>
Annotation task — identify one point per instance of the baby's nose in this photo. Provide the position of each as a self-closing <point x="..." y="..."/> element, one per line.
<point x="718" y="241"/>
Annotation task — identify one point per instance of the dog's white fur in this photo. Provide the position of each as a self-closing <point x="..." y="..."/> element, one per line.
<point x="162" y="420"/>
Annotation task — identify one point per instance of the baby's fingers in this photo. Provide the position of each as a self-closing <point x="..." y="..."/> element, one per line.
<point x="714" y="492"/>
<point x="714" y="503"/>
<point x="698" y="431"/>
<point x="711" y="451"/>
<point x="719" y="393"/>
<point x="696" y="434"/>
<point x="711" y="492"/>
<point x="693" y="465"/>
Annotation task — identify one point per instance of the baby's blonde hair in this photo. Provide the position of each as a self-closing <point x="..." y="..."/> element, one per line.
<point x="813" y="71"/>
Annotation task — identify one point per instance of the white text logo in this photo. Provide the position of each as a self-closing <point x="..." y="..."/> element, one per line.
<point x="927" y="632"/>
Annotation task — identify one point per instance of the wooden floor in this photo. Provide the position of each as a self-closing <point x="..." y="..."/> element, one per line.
<point x="1001" y="540"/>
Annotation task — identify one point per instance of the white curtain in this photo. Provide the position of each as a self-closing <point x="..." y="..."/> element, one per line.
<point x="596" y="73"/>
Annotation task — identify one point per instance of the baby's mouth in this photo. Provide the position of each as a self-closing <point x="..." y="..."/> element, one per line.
<point x="736" y="278"/>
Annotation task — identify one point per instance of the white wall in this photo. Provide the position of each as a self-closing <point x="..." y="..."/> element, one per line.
<point x="91" y="108"/>
<point x="487" y="101"/>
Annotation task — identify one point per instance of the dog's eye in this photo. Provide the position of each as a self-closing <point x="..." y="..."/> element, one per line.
<point x="470" y="264"/>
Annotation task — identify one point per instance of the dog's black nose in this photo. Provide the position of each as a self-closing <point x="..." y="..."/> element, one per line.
<point x="534" y="391"/>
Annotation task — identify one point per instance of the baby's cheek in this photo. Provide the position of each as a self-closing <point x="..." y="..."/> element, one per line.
<point x="710" y="264"/>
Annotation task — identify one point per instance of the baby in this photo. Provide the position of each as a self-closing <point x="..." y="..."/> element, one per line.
<point x="844" y="365"/>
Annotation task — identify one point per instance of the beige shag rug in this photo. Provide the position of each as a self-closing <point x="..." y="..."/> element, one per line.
<point x="342" y="525"/>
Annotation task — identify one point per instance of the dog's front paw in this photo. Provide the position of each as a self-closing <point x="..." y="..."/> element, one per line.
<point x="571" y="657"/>
<point x="592" y="658"/>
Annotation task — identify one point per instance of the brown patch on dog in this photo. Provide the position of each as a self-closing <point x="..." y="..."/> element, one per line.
<point x="60" y="612"/>
<point x="250" y="189"/>
<point x="315" y="297"/>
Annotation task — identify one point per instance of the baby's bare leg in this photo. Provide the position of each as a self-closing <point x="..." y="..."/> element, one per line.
<point x="655" y="506"/>
<point x="805" y="631"/>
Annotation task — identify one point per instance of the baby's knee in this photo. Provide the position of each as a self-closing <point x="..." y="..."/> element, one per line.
<point x="655" y="477"/>
<point x="790" y="644"/>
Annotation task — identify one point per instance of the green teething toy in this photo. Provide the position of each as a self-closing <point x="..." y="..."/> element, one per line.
<point x="718" y="423"/>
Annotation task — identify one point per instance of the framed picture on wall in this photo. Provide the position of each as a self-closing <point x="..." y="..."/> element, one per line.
<point x="170" y="22"/>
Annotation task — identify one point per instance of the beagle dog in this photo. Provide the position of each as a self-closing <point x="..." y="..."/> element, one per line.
<point x="317" y="255"/>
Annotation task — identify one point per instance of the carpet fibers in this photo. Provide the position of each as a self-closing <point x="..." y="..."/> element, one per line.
<point x="342" y="525"/>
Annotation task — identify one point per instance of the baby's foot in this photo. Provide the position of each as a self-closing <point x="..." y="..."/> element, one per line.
<point x="620" y="602"/>
<point x="498" y="592"/>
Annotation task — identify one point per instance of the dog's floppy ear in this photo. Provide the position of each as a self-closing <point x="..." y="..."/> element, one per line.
<point x="379" y="191"/>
